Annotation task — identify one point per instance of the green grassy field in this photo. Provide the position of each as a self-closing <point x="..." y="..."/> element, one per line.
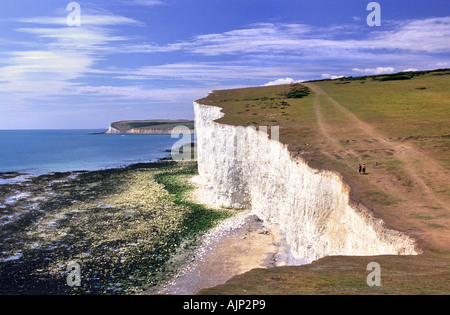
<point x="404" y="108"/>
<point x="399" y="126"/>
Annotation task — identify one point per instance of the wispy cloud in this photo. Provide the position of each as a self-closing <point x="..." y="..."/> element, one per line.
<point x="81" y="39"/>
<point x="29" y="69"/>
<point x="204" y="71"/>
<point x="377" y="70"/>
<point x="421" y="35"/>
<point x="86" y="19"/>
<point x="60" y="55"/>
<point x="273" y="50"/>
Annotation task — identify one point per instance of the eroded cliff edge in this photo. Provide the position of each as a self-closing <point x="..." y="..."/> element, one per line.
<point x="241" y="167"/>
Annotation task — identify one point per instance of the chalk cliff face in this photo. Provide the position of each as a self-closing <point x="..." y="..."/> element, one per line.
<point x="141" y="131"/>
<point x="112" y="130"/>
<point x="243" y="168"/>
<point x="147" y="131"/>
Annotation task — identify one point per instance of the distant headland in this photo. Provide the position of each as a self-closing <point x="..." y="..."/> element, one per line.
<point x="157" y="127"/>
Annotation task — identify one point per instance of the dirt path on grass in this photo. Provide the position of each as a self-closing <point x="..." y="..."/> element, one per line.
<point x="416" y="184"/>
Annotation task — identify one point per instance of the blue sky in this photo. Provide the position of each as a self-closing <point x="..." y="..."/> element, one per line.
<point x="150" y="59"/>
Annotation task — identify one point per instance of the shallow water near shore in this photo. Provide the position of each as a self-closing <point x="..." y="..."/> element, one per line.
<point x="120" y="226"/>
<point x="40" y="152"/>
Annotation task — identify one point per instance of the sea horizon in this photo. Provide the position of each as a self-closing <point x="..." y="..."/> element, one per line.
<point x="42" y="151"/>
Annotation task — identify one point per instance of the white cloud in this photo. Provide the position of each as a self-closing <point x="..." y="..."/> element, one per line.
<point x="86" y="19"/>
<point x="90" y="39"/>
<point x="60" y="55"/>
<point x="260" y="38"/>
<point x="332" y="77"/>
<point x="421" y="35"/>
<point x="280" y="82"/>
<point x="204" y="72"/>
<point x="283" y="81"/>
<point x="41" y="73"/>
<point x="410" y="69"/>
<point x="378" y="70"/>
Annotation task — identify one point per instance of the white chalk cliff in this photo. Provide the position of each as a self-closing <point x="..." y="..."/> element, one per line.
<point x="240" y="167"/>
<point x="113" y="130"/>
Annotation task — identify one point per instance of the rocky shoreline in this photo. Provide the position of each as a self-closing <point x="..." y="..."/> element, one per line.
<point x="121" y="226"/>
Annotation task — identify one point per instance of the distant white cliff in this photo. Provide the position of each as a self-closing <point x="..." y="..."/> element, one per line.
<point x="147" y="127"/>
<point x="243" y="168"/>
<point x="113" y="130"/>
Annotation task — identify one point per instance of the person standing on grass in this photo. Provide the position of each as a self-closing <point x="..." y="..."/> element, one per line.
<point x="364" y="169"/>
<point x="360" y="169"/>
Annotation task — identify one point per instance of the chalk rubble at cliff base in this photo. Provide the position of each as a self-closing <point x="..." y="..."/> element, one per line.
<point x="243" y="168"/>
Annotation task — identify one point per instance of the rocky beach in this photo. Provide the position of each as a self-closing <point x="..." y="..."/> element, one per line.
<point x="120" y="226"/>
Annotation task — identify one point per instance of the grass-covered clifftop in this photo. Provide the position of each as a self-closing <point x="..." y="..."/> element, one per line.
<point x="398" y="125"/>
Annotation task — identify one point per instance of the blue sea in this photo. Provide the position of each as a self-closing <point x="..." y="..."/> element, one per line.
<point x="37" y="152"/>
